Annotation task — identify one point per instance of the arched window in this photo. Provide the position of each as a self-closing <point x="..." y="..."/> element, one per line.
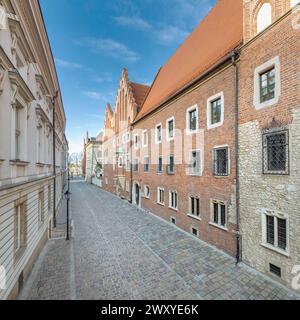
<point x="264" y="17"/>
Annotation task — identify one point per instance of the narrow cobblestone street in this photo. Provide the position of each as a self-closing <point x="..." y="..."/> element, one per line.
<point x="121" y="252"/>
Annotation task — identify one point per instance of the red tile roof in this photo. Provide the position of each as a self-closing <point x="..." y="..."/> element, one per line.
<point x="219" y="33"/>
<point x="140" y="92"/>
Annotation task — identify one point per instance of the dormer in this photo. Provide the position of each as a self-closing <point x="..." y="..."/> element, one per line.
<point x="260" y="14"/>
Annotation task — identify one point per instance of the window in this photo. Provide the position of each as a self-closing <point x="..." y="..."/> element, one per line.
<point x="195" y="163"/>
<point x="173" y="200"/>
<point x="221" y="160"/>
<point x="160" y="165"/>
<point x="20" y="236"/>
<point x="41" y="208"/>
<point x="194" y="231"/>
<point x="194" y="206"/>
<point x="136" y="141"/>
<point x="136" y="165"/>
<point x="171" y="165"/>
<point x="146" y="164"/>
<point x="128" y="137"/>
<point x="170" y="129"/>
<point x="267" y="85"/>
<point x="49" y="197"/>
<point x="123" y="138"/>
<point x="215" y="111"/>
<point x="219" y="213"/>
<point x="192" y="119"/>
<point x="146" y="192"/>
<point x="276" y="232"/>
<point x="264" y="17"/>
<point x="158" y="133"/>
<point x="145" y="138"/>
<point x="18" y="133"/>
<point x="276" y="153"/>
<point x="275" y="270"/>
<point x="173" y="220"/>
<point x="160" y="196"/>
<point x="127" y="162"/>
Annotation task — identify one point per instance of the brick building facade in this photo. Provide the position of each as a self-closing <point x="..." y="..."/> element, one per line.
<point x="215" y="140"/>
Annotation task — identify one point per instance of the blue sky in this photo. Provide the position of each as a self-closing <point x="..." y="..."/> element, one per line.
<point x="92" y="40"/>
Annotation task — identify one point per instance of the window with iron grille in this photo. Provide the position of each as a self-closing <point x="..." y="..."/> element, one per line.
<point x="267" y="85"/>
<point x="216" y="110"/>
<point x="146" y="164"/>
<point x="193" y="120"/>
<point x="221" y="161"/>
<point x="276" y="229"/>
<point x="276" y="153"/>
<point x="173" y="200"/>
<point x="136" y="165"/>
<point x="275" y="270"/>
<point x="195" y="163"/>
<point x="194" y="206"/>
<point x="160" y="165"/>
<point x="195" y="232"/>
<point x="171" y="166"/>
<point x="219" y="213"/>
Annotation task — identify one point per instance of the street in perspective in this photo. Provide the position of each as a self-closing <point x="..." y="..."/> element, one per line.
<point x="149" y="151"/>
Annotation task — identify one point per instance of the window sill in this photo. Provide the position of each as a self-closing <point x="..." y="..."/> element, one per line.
<point x="161" y="204"/>
<point x="39" y="164"/>
<point x="194" y="174"/>
<point x="277" y="250"/>
<point x="191" y="132"/>
<point x="220" y="176"/>
<point x="275" y="173"/>
<point x="1" y="161"/>
<point x="19" y="163"/>
<point x="218" y="226"/>
<point x="174" y="209"/>
<point x="214" y="126"/>
<point x="194" y="217"/>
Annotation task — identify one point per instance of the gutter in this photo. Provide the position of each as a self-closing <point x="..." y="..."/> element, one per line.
<point x="234" y="57"/>
<point x="226" y="58"/>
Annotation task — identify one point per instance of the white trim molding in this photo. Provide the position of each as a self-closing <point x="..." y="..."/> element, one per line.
<point x="274" y="62"/>
<point x="188" y="131"/>
<point x="208" y="111"/>
<point x="167" y="129"/>
<point x="155" y="133"/>
<point x="145" y="143"/>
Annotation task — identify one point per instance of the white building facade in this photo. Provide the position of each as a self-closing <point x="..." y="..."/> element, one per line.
<point x="30" y="103"/>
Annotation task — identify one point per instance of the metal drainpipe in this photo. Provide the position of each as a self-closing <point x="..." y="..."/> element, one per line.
<point x="234" y="57"/>
<point x="131" y="175"/>
<point x="54" y="160"/>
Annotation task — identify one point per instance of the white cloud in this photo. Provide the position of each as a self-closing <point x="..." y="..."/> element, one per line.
<point x="111" y="48"/>
<point x="171" y="35"/>
<point x="133" y="22"/>
<point x="98" y="95"/>
<point x="67" y="64"/>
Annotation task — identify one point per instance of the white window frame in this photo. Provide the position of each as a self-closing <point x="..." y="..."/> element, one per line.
<point x="170" y="200"/>
<point x="211" y="99"/>
<point x="158" y="196"/>
<point x="120" y="163"/>
<point x="156" y="133"/>
<point x="228" y="160"/>
<point x="274" y="62"/>
<point x="123" y="138"/>
<point x="167" y="129"/>
<point x="128" y="137"/>
<point x="146" y="196"/>
<point x="212" y="223"/>
<point x="294" y="3"/>
<point x="190" y="162"/>
<point x="136" y="143"/>
<point x="145" y="143"/>
<point x="264" y="243"/>
<point x="265" y="21"/>
<point x="135" y="161"/>
<point x="162" y="164"/>
<point x="188" y="131"/>
<point x="146" y="157"/>
<point x="190" y="214"/>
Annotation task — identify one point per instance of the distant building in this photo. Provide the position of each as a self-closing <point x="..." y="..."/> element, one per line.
<point x="94" y="160"/>
<point x="31" y="184"/>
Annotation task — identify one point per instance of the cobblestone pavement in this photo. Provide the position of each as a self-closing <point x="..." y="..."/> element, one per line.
<point x="121" y="252"/>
